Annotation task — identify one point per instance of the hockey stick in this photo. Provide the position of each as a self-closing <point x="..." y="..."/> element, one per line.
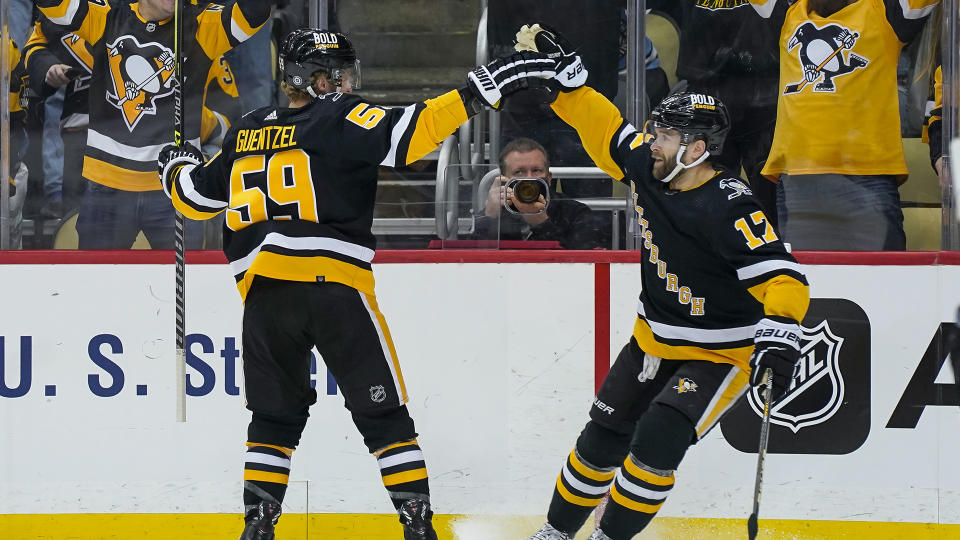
<point x="178" y="243"/>
<point x="752" y="526"/>
<point x="796" y="87"/>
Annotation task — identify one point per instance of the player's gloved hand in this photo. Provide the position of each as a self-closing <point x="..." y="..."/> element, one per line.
<point x="777" y="348"/>
<point x="570" y="71"/>
<point x="489" y="84"/>
<point x="172" y="159"/>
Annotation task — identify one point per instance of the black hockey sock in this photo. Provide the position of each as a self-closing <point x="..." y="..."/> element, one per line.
<point x="266" y="473"/>
<point x="580" y="488"/>
<point x="404" y="472"/>
<point x="637" y="494"/>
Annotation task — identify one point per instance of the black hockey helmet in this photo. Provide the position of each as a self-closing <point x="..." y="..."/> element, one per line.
<point x="695" y="116"/>
<point x="309" y="50"/>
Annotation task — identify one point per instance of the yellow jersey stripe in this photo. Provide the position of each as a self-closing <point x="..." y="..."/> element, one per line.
<point x="295" y="268"/>
<point x="739" y="356"/>
<point x="239" y="22"/>
<point x="397" y="445"/>
<point x="391" y="349"/>
<point x="631" y="504"/>
<point x="285" y="450"/>
<point x="647" y="476"/>
<point x="588" y="472"/>
<point x="116" y="177"/>
<point x="264" y="476"/>
<point x="404" y="477"/>
<point x="735" y="388"/>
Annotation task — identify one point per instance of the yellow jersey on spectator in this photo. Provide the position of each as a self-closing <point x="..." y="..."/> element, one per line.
<point x="838" y="109"/>
<point x="131" y="94"/>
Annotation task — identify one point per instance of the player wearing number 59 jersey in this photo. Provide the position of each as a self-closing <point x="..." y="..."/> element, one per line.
<point x="298" y="185"/>
<point x="722" y="303"/>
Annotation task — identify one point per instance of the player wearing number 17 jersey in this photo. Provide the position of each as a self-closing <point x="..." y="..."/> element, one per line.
<point x="722" y="303"/>
<point x="298" y="185"/>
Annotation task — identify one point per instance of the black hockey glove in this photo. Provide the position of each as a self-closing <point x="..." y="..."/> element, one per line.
<point x="489" y="84"/>
<point x="777" y="348"/>
<point x="570" y="71"/>
<point x="172" y="159"/>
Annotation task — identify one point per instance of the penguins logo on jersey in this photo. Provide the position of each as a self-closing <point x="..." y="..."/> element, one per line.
<point x="738" y="187"/>
<point x="714" y="5"/>
<point x="824" y="53"/>
<point x="141" y="74"/>
<point x="685" y="385"/>
<point x="817" y="377"/>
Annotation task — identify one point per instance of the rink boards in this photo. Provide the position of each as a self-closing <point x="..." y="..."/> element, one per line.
<point x="500" y="361"/>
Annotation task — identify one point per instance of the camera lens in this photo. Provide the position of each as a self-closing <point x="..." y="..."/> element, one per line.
<point x="527" y="191"/>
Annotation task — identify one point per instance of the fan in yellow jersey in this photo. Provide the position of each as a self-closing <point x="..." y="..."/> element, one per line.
<point x="836" y="151"/>
<point x="132" y="108"/>
<point x="721" y="303"/>
<point x="56" y="58"/>
<point x="16" y="176"/>
<point x="298" y="187"/>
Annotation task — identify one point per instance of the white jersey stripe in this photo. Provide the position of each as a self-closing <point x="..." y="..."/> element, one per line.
<point x="401" y="458"/>
<point x="698" y="335"/>
<point x="584" y="487"/>
<point x="98" y="140"/>
<point x="626" y="132"/>
<point x="67" y="17"/>
<point x="303" y="243"/>
<point x="391" y="361"/>
<point x="640" y="491"/>
<point x="189" y="191"/>
<point x="716" y="397"/>
<point x="763" y="267"/>
<point x="398" y="131"/>
<point x="916" y="13"/>
<point x="267" y="459"/>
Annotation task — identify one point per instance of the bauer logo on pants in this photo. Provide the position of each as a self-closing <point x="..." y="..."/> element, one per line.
<point x="826" y="410"/>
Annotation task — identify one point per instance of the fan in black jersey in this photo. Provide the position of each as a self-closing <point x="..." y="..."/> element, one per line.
<point x="721" y="304"/>
<point x="298" y="186"/>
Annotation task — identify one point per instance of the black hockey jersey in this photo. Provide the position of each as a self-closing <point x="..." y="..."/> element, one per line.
<point x="712" y="264"/>
<point x="131" y="102"/>
<point x="298" y="185"/>
<point x="18" y="113"/>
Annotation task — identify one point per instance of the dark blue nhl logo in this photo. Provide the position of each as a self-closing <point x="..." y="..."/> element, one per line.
<point x="826" y="410"/>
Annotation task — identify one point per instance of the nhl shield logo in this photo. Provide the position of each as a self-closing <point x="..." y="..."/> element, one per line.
<point x="378" y="394"/>
<point x="826" y="410"/>
<point x="817" y="379"/>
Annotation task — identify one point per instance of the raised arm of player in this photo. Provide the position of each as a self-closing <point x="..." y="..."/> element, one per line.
<point x="399" y="136"/>
<point x="224" y="25"/>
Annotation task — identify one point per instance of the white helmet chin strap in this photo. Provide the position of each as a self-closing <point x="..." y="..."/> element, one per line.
<point x="680" y="166"/>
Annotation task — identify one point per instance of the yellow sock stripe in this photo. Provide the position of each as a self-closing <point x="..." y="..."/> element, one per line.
<point x="404" y="477"/>
<point x="264" y="476"/>
<point x="631" y="504"/>
<point x="592" y="474"/>
<point x="411" y="442"/>
<point x="647" y="476"/>
<point x="575" y="499"/>
<point x="287" y="451"/>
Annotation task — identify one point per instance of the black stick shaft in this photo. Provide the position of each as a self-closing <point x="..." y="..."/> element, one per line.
<point x="752" y="525"/>
<point x="178" y="130"/>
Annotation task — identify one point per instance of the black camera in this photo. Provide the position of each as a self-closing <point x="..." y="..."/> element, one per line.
<point x="528" y="191"/>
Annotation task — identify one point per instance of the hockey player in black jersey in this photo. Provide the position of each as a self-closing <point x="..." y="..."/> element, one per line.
<point x="721" y="303"/>
<point x="298" y="185"/>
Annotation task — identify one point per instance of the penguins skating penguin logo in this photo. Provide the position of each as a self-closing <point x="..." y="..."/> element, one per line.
<point x="822" y="56"/>
<point x="141" y="74"/>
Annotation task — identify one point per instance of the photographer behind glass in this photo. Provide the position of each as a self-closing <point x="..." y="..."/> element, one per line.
<point x="534" y="211"/>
